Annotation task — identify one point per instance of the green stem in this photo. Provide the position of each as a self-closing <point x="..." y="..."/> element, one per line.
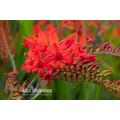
<point x="43" y="85"/>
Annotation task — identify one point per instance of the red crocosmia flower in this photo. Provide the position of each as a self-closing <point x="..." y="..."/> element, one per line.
<point x="72" y="24"/>
<point x="56" y="30"/>
<point x="29" y="62"/>
<point x="52" y="36"/>
<point x="82" y="40"/>
<point x="42" y="38"/>
<point x="57" y="56"/>
<point x="76" y="52"/>
<point x="68" y="24"/>
<point x="67" y="42"/>
<point x="91" y="58"/>
<point x="50" y="27"/>
<point x="89" y="37"/>
<point x="28" y="65"/>
<point x="36" y="28"/>
<point x="47" y="75"/>
<point x="48" y="55"/>
<point x="39" y="65"/>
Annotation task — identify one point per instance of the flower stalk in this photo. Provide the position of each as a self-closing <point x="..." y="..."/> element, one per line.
<point x="8" y="49"/>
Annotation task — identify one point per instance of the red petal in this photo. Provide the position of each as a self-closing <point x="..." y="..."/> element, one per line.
<point x="82" y="40"/>
<point x="36" y="28"/>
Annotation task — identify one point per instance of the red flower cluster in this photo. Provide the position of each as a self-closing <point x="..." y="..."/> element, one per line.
<point x="72" y="24"/>
<point x="48" y="54"/>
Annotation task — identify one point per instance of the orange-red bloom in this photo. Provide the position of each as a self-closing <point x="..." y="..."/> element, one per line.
<point x="47" y="54"/>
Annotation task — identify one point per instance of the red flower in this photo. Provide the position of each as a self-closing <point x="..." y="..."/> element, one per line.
<point x="57" y="56"/>
<point x="48" y="55"/>
<point x="72" y="24"/>
<point x="82" y="40"/>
